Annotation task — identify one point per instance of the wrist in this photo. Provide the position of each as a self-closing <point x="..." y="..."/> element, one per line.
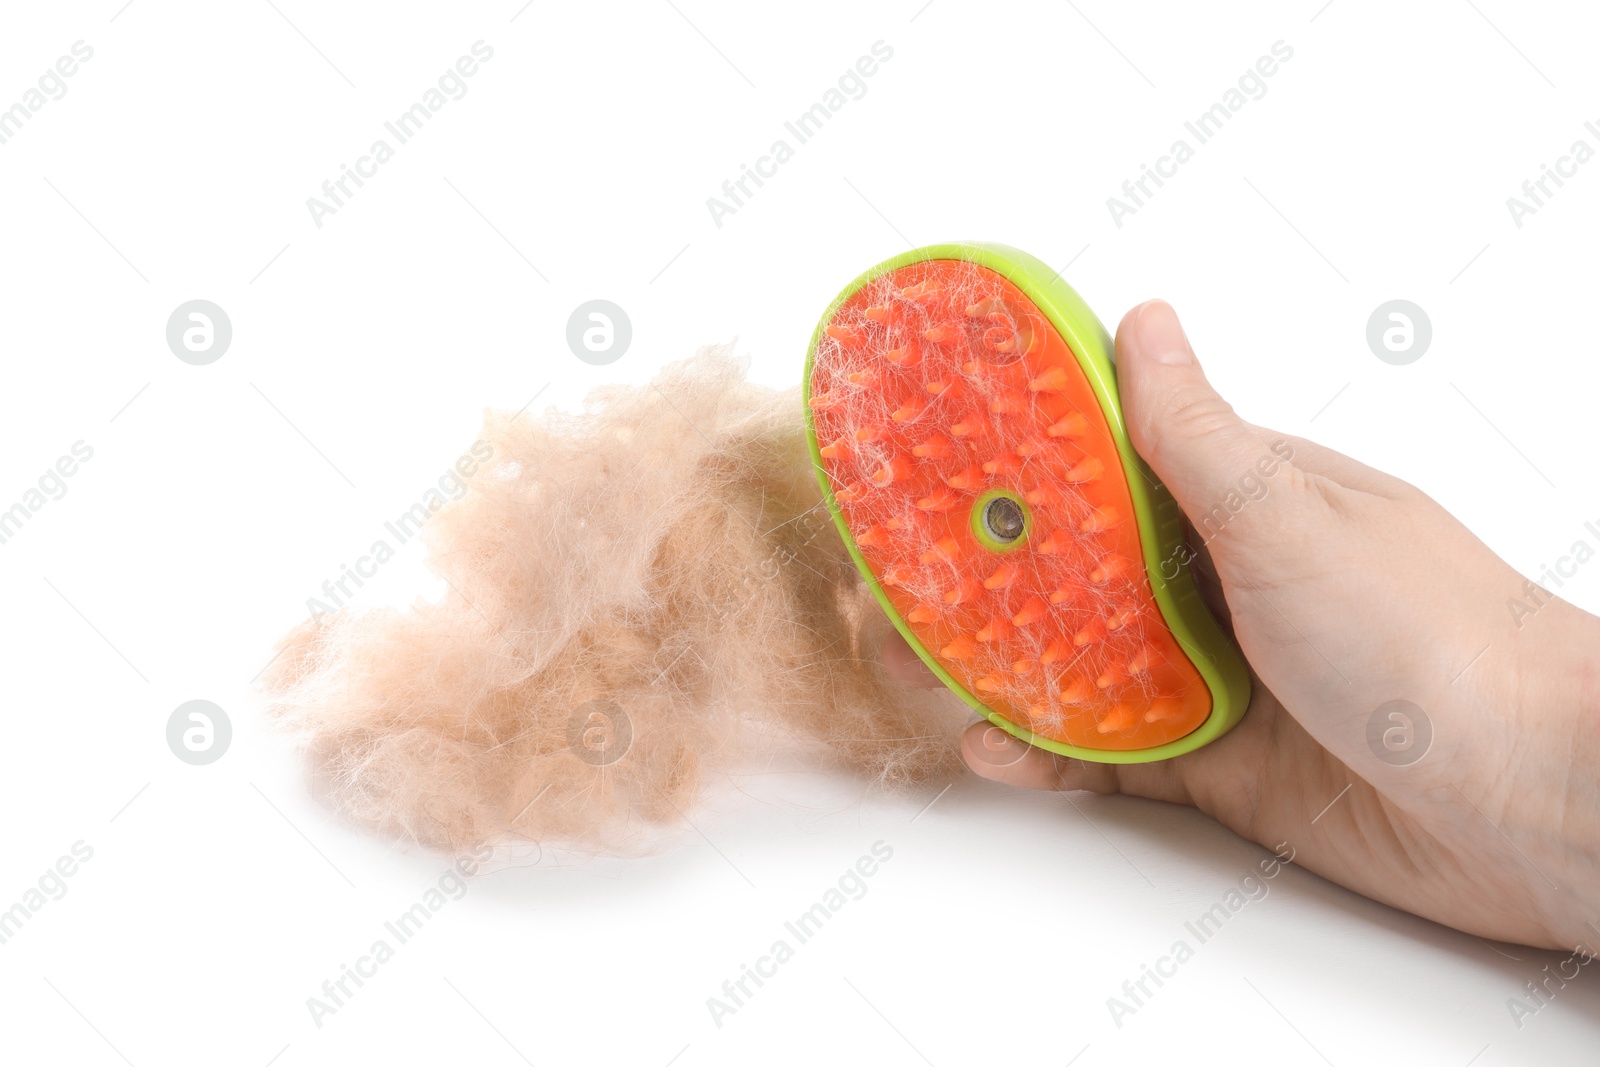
<point x="1557" y="692"/>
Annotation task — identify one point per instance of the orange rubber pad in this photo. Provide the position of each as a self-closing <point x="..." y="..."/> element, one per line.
<point x="937" y="387"/>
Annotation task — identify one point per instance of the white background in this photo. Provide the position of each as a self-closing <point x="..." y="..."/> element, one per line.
<point x="577" y="166"/>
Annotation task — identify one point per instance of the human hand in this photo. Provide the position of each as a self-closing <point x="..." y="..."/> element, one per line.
<point x="1348" y="589"/>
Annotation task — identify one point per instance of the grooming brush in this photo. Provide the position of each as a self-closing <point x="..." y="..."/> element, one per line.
<point x="963" y="419"/>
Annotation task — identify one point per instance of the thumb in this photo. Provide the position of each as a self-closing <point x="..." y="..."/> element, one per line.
<point x="1190" y="436"/>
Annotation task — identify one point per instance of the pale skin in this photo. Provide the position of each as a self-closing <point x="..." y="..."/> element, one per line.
<point x="1347" y="589"/>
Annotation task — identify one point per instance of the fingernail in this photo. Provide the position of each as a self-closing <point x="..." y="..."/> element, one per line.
<point x="997" y="749"/>
<point x="1160" y="334"/>
<point x="997" y="740"/>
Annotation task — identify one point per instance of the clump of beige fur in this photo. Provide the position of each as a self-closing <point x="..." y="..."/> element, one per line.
<point x="630" y="590"/>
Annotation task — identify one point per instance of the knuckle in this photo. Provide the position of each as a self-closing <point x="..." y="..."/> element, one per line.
<point x="1202" y="416"/>
<point x="1189" y="419"/>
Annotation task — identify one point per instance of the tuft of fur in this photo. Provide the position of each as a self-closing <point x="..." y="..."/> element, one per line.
<point x="630" y="590"/>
